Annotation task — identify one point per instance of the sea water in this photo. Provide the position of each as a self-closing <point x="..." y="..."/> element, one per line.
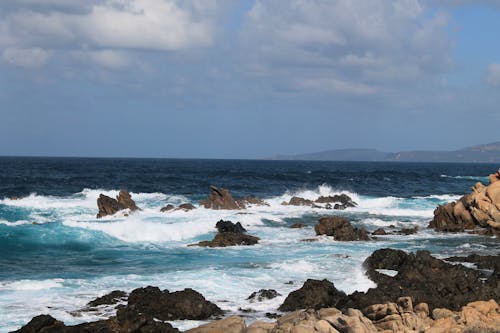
<point x="56" y="256"/>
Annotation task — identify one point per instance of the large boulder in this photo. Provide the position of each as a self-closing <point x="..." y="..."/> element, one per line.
<point x="340" y="228"/>
<point x="109" y="206"/>
<point x="315" y="294"/>
<point x="178" y="305"/>
<point x="480" y="208"/>
<point x="221" y="198"/>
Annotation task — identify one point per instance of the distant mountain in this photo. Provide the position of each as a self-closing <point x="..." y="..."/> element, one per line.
<point x="487" y="153"/>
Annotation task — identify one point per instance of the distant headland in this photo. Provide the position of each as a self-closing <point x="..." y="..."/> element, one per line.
<point x="485" y="153"/>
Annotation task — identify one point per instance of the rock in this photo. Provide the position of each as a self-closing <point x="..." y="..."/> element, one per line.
<point x="178" y="305"/>
<point x="251" y="201"/>
<point x="230" y="239"/>
<point x="297" y="226"/>
<point x="482" y="262"/>
<point x="379" y="232"/>
<point x="109" y="206"/>
<point x="408" y="231"/>
<point x="125" y="321"/>
<point x="297" y="201"/>
<point x="263" y="294"/>
<point x="167" y="208"/>
<point x="424" y="278"/>
<point x="109" y="299"/>
<point x="125" y="200"/>
<point x="186" y="207"/>
<point x="340" y="228"/>
<point x="228" y="226"/>
<point x="232" y="324"/>
<point x="260" y="327"/>
<point x="342" y="199"/>
<point x="479" y="209"/>
<point x="221" y="198"/>
<point x="313" y="294"/>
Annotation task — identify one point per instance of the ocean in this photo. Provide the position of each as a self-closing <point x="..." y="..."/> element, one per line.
<point x="55" y="256"/>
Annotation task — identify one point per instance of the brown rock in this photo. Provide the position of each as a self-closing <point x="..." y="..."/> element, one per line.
<point x="107" y="206"/>
<point x="230" y="239"/>
<point x="297" y="201"/>
<point x="186" y="207"/>
<point x="167" y="208"/>
<point x="221" y="198"/>
<point x="125" y="200"/>
<point x="340" y="228"/>
<point x="297" y="226"/>
<point x="232" y="324"/>
<point x="379" y="232"/>
<point x="260" y="327"/>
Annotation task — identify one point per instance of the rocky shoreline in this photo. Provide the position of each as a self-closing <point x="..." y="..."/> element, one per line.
<point x="415" y="292"/>
<point x="426" y="295"/>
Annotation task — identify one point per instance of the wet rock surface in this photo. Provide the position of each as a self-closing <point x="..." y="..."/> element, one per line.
<point x="313" y="294"/>
<point x="340" y="228"/>
<point x="338" y="201"/>
<point x="228" y="226"/>
<point x="230" y="234"/>
<point x="112" y="298"/>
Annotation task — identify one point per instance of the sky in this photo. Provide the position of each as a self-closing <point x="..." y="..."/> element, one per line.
<point x="248" y="78"/>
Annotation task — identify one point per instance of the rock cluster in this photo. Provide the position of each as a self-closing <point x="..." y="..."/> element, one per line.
<point x="230" y="234"/>
<point x="185" y="207"/>
<point x="109" y="206"/>
<point x="340" y="228"/>
<point x="339" y="201"/>
<point x="221" y="198"/>
<point x="263" y="294"/>
<point x="480" y="208"/>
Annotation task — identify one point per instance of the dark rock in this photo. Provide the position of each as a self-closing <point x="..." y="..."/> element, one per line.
<point x="42" y="323"/>
<point x="107" y="206"/>
<point x="167" y="208"/>
<point x="297" y="226"/>
<point x="343" y="200"/>
<point x="125" y="200"/>
<point x="228" y="226"/>
<point x="230" y="239"/>
<point x="340" y="228"/>
<point x="178" y="305"/>
<point x="425" y="278"/>
<point x="263" y="294"/>
<point x="296" y="201"/>
<point x="131" y="320"/>
<point x="272" y="315"/>
<point x="186" y="206"/>
<point x="109" y="299"/>
<point x="379" y="232"/>
<point x="408" y="231"/>
<point x="313" y="294"/>
<point x="220" y="198"/>
<point x="481" y="262"/>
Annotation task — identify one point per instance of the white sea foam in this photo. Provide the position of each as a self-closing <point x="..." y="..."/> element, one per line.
<point x="30" y="285"/>
<point x="477" y="178"/>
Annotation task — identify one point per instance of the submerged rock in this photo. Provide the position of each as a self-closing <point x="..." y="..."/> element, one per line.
<point x="480" y="208"/>
<point x="340" y="228"/>
<point x="263" y="294"/>
<point x="167" y="208"/>
<point x="109" y="206"/>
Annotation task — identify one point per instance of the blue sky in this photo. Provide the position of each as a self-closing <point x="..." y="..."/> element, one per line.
<point x="245" y="79"/>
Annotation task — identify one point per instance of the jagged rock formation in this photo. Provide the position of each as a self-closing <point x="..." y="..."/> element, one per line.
<point x="109" y="206"/>
<point x="339" y="201"/>
<point x="230" y="234"/>
<point x="221" y="198"/>
<point x="479" y="209"/>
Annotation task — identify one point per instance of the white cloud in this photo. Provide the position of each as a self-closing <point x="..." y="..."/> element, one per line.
<point x="27" y="58"/>
<point x="161" y="25"/>
<point x="493" y="75"/>
<point x="346" y="46"/>
<point x="105" y="58"/>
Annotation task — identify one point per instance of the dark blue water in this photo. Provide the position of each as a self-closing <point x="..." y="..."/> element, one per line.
<point x="54" y="250"/>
